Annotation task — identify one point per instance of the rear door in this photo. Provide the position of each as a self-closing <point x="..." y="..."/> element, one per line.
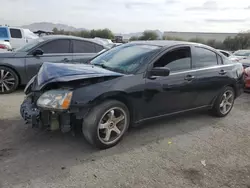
<point x="84" y="50"/>
<point x="211" y="76"/>
<point x="55" y="51"/>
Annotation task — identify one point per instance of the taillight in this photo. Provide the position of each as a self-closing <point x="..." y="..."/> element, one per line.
<point x="247" y="71"/>
<point x="2" y="46"/>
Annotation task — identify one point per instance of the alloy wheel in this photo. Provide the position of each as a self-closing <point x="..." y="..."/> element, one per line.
<point x="7" y="81"/>
<point x="112" y="125"/>
<point x="227" y="102"/>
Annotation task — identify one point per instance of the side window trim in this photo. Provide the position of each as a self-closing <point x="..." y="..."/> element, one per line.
<point x="219" y="60"/>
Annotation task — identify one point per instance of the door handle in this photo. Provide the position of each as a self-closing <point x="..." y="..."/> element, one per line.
<point x="222" y="72"/>
<point x="189" y="77"/>
<point x="66" y="60"/>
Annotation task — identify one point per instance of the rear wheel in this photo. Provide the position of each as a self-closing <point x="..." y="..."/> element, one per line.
<point x="8" y="80"/>
<point x="224" y="102"/>
<point x="106" y="124"/>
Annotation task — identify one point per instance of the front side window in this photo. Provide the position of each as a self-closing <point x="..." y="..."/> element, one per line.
<point x="176" y="60"/>
<point x="125" y="58"/>
<point x="15" y="33"/>
<point x="56" y="46"/>
<point x="204" y="58"/>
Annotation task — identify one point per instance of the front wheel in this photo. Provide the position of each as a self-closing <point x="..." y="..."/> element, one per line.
<point x="106" y="124"/>
<point x="8" y="80"/>
<point x="224" y="102"/>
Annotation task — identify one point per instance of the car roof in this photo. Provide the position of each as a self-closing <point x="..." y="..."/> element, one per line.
<point x="52" y="37"/>
<point x="167" y="43"/>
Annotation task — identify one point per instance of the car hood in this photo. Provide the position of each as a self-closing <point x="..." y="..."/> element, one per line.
<point x="61" y="72"/>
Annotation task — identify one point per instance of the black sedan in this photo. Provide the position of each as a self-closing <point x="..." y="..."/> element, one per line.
<point x="130" y="84"/>
<point x="18" y="67"/>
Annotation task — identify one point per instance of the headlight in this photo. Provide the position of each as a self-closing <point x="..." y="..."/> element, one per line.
<point x="55" y="99"/>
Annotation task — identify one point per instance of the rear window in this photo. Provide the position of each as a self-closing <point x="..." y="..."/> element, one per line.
<point x="3" y="33"/>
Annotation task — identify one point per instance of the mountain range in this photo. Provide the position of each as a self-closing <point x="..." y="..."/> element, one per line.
<point x="48" y="26"/>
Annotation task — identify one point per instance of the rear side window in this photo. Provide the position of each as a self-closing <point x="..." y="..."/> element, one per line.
<point x="56" y="46"/>
<point x="225" y="54"/>
<point x="3" y="33"/>
<point x="98" y="48"/>
<point x="204" y="58"/>
<point x="83" y="47"/>
<point x="15" y="33"/>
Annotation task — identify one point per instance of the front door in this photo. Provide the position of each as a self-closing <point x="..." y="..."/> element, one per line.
<point x="176" y="92"/>
<point x="56" y="51"/>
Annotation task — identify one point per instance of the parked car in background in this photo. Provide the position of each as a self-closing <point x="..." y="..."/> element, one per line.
<point x="240" y="54"/>
<point x="19" y="66"/>
<point x="247" y="78"/>
<point x="129" y="84"/>
<point x="17" y="37"/>
<point x="226" y="53"/>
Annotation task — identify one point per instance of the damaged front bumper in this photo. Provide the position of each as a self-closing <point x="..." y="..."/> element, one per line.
<point x="52" y="120"/>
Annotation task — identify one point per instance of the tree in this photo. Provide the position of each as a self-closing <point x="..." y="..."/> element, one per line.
<point x="55" y="30"/>
<point x="133" y="38"/>
<point x="149" y="35"/>
<point x="198" y="40"/>
<point x="173" y="38"/>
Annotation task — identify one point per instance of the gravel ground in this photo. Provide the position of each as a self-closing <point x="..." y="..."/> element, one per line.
<point x="193" y="150"/>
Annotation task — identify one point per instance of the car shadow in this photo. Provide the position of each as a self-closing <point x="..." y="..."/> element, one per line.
<point x="53" y="150"/>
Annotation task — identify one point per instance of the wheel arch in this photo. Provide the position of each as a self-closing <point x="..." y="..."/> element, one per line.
<point x="229" y="85"/>
<point x="234" y="88"/>
<point x="15" y="71"/>
<point x="120" y="96"/>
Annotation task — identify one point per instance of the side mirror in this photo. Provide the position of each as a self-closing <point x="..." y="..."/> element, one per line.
<point x="38" y="52"/>
<point x="160" y="71"/>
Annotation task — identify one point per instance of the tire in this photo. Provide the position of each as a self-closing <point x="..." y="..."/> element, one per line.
<point x="9" y="80"/>
<point x="95" y="132"/>
<point x="218" y="107"/>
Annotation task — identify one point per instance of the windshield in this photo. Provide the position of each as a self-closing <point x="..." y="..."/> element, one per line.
<point x="29" y="45"/>
<point x="125" y="58"/>
<point x="4" y="33"/>
<point x="242" y="53"/>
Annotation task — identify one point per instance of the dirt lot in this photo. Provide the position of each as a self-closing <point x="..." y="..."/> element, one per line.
<point x="194" y="150"/>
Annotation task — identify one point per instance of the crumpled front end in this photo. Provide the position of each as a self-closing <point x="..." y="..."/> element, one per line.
<point x="41" y="117"/>
<point x="49" y="94"/>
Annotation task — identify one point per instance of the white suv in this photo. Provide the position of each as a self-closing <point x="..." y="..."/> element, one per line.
<point x="17" y="37"/>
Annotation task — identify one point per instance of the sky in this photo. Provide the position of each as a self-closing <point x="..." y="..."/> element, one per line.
<point x="126" y="16"/>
